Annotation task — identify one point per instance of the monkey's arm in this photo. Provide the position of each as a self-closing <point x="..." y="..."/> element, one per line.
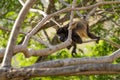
<point x="92" y="36"/>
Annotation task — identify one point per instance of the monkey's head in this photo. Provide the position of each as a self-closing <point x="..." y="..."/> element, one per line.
<point x="62" y="33"/>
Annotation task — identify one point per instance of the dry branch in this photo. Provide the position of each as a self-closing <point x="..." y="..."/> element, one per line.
<point x="82" y="69"/>
<point x="75" y="61"/>
<point x="15" y="31"/>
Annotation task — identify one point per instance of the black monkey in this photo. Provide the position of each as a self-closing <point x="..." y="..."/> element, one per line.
<point x="80" y="29"/>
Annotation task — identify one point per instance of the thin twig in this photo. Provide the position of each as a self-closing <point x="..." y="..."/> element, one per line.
<point x="40" y="12"/>
<point x="68" y="5"/>
<point x="71" y="20"/>
<point x="47" y="36"/>
<point x="112" y="43"/>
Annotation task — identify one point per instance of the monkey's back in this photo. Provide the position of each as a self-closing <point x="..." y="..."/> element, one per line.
<point x="80" y="28"/>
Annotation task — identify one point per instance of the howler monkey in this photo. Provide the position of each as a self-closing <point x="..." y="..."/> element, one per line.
<point x="80" y="29"/>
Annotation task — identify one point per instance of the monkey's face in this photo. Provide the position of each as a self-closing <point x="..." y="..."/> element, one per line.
<point x="62" y="34"/>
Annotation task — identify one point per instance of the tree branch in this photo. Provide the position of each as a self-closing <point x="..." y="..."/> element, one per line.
<point x="75" y="61"/>
<point x="84" y="69"/>
<point x="112" y="43"/>
<point x="13" y="36"/>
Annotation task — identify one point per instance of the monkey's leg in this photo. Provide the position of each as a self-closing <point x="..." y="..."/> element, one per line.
<point x="73" y="50"/>
<point x="74" y="53"/>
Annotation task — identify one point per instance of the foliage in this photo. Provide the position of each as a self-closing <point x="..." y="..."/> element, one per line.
<point x="10" y="9"/>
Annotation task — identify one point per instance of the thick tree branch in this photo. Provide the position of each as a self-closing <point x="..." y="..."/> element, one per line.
<point x="13" y="36"/>
<point x="75" y="61"/>
<point x="84" y="69"/>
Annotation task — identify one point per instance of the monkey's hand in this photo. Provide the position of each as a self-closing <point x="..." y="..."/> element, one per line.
<point x="98" y="38"/>
<point x="74" y="53"/>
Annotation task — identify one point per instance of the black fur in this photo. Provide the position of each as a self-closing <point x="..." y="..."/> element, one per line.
<point x="63" y="35"/>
